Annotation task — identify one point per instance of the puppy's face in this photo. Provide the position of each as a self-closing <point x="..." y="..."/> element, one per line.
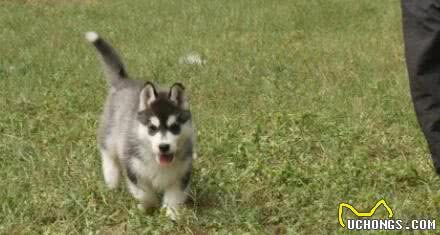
<point x="164" y="121"/>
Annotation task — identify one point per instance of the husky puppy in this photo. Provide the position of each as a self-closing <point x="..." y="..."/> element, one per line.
<point x="145" y="132"/>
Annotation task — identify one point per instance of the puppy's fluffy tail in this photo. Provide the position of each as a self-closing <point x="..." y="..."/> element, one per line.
<point x="113" y="67"/>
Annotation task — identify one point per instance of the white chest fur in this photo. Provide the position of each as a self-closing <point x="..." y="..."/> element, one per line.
<point x="150" y="173"/>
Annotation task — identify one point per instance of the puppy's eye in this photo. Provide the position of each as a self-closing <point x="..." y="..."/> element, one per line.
<point x="153" y="128"/>
<point x="174" y="128"/>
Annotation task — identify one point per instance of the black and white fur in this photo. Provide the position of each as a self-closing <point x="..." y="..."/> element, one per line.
<point x="145" y="132"/>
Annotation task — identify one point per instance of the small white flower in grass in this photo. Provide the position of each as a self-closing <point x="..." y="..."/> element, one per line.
<point x="192" y="58"/>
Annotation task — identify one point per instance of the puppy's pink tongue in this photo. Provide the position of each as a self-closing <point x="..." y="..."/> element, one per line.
<point x="165" y="159"/>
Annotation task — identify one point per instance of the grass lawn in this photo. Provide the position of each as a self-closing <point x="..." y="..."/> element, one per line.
<point x="302" y="105"/>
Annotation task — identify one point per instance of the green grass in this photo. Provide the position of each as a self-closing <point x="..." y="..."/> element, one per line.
<point x="301" y="105"/>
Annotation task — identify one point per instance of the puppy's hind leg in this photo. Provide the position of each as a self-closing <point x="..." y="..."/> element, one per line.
<point x="110" y="168"/>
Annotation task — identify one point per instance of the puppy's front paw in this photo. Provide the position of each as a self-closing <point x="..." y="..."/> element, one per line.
<point x="140" y="206"/>
<point x="147" y="208"/>
<point x="172" y="213"/>
<point x="112" y="181"/>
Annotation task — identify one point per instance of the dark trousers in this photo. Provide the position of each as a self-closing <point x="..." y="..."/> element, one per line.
<point x="421" y="30"/>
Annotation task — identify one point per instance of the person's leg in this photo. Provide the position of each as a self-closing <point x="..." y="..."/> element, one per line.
<point x="421" y="31"/>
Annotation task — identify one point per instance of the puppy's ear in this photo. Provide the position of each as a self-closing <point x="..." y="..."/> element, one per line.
<point x="177" y="95"/>
<point x="147" y="96"/>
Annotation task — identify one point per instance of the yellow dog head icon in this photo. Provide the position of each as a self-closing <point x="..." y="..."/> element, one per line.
<point x="363" y="214"/>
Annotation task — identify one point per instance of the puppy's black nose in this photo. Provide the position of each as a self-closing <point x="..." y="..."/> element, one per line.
<point x="164" y="147"/>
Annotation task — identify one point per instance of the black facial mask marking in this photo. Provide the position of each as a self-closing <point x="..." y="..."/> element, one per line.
<point x="162" y="109"/>
<point x="183" y="116"/>
<point x="152" y="129"/>
<point x="174" y="128"/>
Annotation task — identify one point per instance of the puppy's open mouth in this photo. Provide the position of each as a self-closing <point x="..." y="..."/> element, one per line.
<point x="165" y="159"/>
